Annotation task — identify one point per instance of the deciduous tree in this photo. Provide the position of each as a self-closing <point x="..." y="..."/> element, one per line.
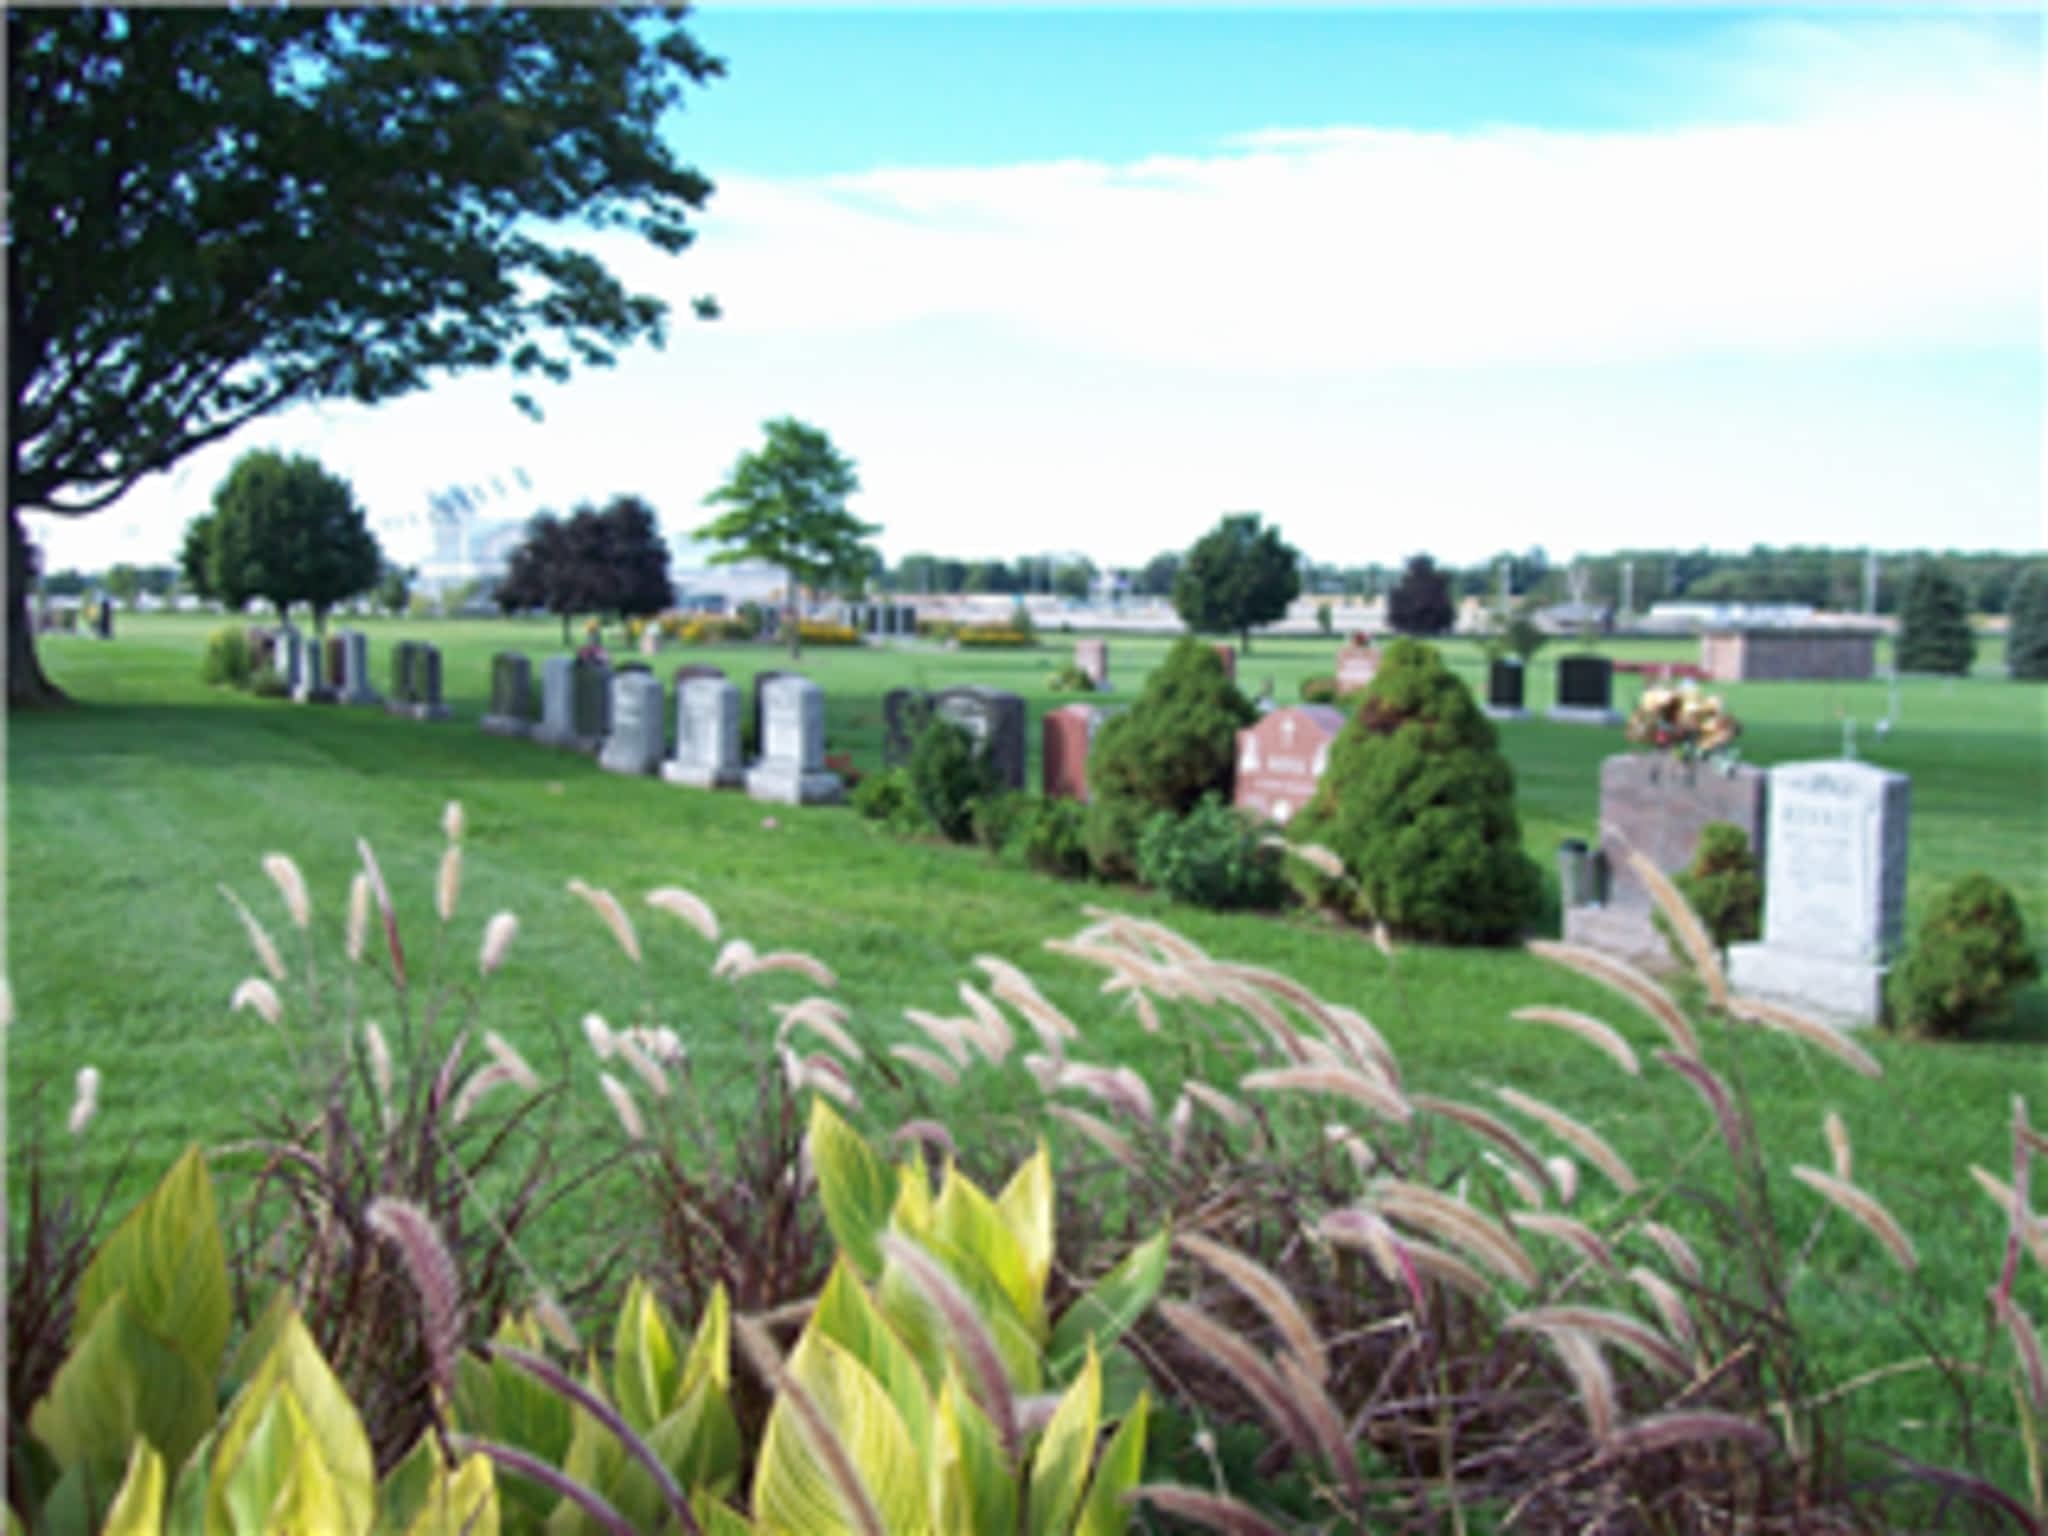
<point x="288" y="531"/>
<point x="1420" y="603"/>
<point x="1237" y="575"/>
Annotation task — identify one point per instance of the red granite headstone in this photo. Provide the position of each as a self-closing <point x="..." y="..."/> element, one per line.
<point x="1357" y="664"/>
<point x="1068" y="732"/>
<point x="1280" y="759"/>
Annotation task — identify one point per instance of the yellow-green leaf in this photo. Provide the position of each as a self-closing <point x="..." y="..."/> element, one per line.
<point x="251" y="1477"/>
<point x="139" y="1506"/>
<point x="710" y="1356"/>
<point x="854" y="1186"/>
<point x="167" y="1258"/>
<point x="794" y="1491"/>
<point x="187" y="1513"/>
<point x="1059" y="1469"/>
<point x="1117" y="1470"/>
<point x="463" y="1505"/>
<point x="294" y="1371"/>
<point x="646" y="1374"/>
<point x="122" y="1381"/>
<point x="699" y="1443"/>
<point x="912" y="1212"/>
<point x="915" y="1321"/>
<point x="965" y="1217"/>
<point x="845" y="1313"/>
<point x="1115" y="1302"/>
<point x="974" y="1488"/>
<point x="1026" y="1205"/>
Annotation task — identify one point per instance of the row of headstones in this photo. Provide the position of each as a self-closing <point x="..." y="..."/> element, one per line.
<point x="585" y="706"/>
<point x="339" y="671"/>
<point x="882" y="618"/>
<point x="1585" y="690"/>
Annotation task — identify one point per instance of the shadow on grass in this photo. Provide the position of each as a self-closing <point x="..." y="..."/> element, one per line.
<point x="2024" y="1023"/>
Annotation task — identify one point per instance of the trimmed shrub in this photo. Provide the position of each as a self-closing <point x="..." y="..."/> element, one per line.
<point x="997" y="818"/>
<point x="227" y="662"/>
<point x="266" y="684"/>
<point x="1934" y="624"/>
<point x="1319" y="690"/>
<point x="1110" y="832"/>
<point x="1211" y="857"/>
<point x="812" y="632"/>
<point x="2026" y="638"/>
<point x="887" y="797"/>
<point x="1178" y="742"/>
<point x="1723" y="885"/>
<point x="1070" y="679"/>
<point x="1419" y="802"/>
<point x="1968" y="958"/>
<point x="948" y="773"/>
<point x="1054" y="840"/>
<point x="993" y="637"/>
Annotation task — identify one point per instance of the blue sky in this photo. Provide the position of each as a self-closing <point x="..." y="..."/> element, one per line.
<point x="1402" y="280"/>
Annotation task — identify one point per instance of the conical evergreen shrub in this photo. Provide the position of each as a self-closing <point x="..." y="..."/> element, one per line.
<point x="2026" y="638"/>
<point x="1934" y="624"/>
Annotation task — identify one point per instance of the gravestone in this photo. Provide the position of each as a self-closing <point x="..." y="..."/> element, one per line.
<point x="691" y="671"/>
<point x="1068" y="735"/>
<point x="557" y="727"/>
<point x="1092" y="657"/>
<point x="1229" y="655"/>
<point x="1585" y="691"/>
<point x="906" y="620"/>
<point x="1834" y="890"/>
<point x="995" y="719"/>
<point x="761" y="681"/>
<point x="286" y="651"/>
<point x="352" y="682"/>
<point x="1280" y="759"/>
<point x="1357" y="665"/>
<point x="262" y="643"/>
<point x="1506" y="680"/>
<point x="707" y="733"/>
<point x="1658" y="805"/>
<point x="312" y="687"/>
<point x="904" y="712"/>
<point x="416" y="681"/>
<point x="791" y="770"/>
<point x="511" y="711"/>
<point x="639" y="736"/>
<point x="590" y="704"/>
<point x="332" y="664"/>
<point x="399" y="700"/>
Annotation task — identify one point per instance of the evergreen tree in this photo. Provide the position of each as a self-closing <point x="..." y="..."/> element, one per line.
<point x="2026" y="640"/>
<point x="1934" y="624"/>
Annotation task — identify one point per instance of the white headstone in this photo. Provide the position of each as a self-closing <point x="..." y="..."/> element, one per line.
<point x="639" y="734"/>
<point x="1834" y="889"/>
<point x="557" y="702"/>
<point x="707" y="735"/>
<point x="288" y="651"/>
<point x="792" y="766"/>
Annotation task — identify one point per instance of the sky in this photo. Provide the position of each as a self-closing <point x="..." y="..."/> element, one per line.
<point x="1401" y="280"/>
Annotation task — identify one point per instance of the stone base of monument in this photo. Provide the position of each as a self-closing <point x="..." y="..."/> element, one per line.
<point x="1583" y="714"/>
<point x="567" y="741"/>
<point x="700" y="775"/>
<point x="1844" y="992"/>
<point x="364" y="700"/>
<point x="315" y="695"/>
<point x="1627" y="933"/>
<point x="1502" y="712"/>
<point x="418" y="711"/>
<point x="619" y="757"/>
<point x="791" y="786"/>
<point x="507" y="725"/>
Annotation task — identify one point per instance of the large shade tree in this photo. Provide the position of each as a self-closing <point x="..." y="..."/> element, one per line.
<point x="1237" y="575"/>
<point x="285" y="530"/>
<point x="612" y="563"/>
<point x="785" y="505"/>
<point x="214" y="214"/>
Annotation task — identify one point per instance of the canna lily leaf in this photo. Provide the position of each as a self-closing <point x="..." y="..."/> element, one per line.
<point x="463" y="1505"/>
<point x="912" y="1212"/>
<point x="138" y="1508"/>
<point x="854" y="1186"/>
<point x="973" y="1223"/>
<point x="1059" y="1469"/>
<point x="914" y="1320"/>
<point x="797" y="1490"/>
<point x="1101" y="1316"/>
<point x="710" y="1356"/>
<point x="647" y="1375"/>
<point x="846" y="1314"/>
<point x="1026" y="1205"/>
<point x="297" y="1404"/>
<point x="1117" y="1469"/>
<point x="974" y="1488"/>
<point x="167" y="1258"/>
<point x="122" y="1382"/>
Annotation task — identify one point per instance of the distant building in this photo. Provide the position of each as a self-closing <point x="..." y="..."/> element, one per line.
<point x="1697" y="616"/>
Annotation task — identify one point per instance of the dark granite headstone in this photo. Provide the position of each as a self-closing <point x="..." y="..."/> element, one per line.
<point x="1585" y="682"/>
<point x="1504" y="684"/>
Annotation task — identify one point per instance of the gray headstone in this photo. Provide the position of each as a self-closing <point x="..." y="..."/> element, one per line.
<point x="557" y="727"/>
<point x="1092" y="657"/>
<point x="904" y="711"/>
<point x="995" y="720"/>
<point x="638" y="735"/>
<point x="427" y="704"/>
<point x="511" y="711"/>
<point x="311" y="688"/>
<point x="1834" y="890"/>
<point x="354" y="681"/>
<point x="707" y="735"/>
<point x="591" y="704"/>
<point x="289" y="649"/>
<point x="791" y="769"/>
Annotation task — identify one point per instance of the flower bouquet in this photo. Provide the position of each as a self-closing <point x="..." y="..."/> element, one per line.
<point x="1684" y="722"/>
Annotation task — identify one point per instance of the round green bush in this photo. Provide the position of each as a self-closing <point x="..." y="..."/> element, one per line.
<point x="1211" y="857"/>
<point x="1178" y="741"/>
<point x="1420" y="804"/>
<point x="948" y="773"/>
<point x="886" y="797"/>
<point x="227" y="661"/>
<point x="998" y="817"/>
<point x="1054" y="843"/>
<point x="1110" y="832"/>
<point x="1967" y="959"/>
<point x="1724" y="885"/>
<point x="1069" y="678"/>
<point x="1319" y="690"/>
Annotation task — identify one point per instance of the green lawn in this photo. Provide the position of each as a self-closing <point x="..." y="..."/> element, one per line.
<point x="124" y="814"/>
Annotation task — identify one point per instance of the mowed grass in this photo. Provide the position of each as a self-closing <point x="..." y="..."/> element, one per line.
<point x="124" y="815"/>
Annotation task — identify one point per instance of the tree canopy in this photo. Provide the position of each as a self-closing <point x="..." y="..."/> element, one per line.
<point x="2026" y="641"/>
<point x="611" y="562"/>
<point x="285" y="530"/>
<point x="1235" y="576"/>
<point x="1934" y="623"/>
<point x="785" y="505"/>
<point x="1420" y="603"/>
<point x="216" y="213"/>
